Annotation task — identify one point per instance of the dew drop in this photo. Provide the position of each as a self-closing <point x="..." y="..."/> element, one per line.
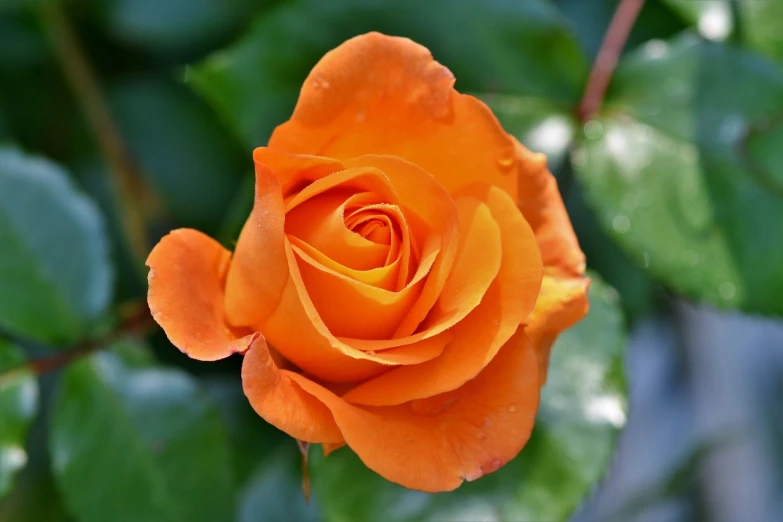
<point x="621" y="224"/>
<point x="371" y="353"/>
<point x="512" y="409"/>
<point x="320" y="84"/>
<point x="656" y="49"/>
<point x="506" y="163"/>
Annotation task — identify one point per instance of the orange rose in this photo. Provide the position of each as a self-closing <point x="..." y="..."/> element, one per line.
<point x="409" y="263"/>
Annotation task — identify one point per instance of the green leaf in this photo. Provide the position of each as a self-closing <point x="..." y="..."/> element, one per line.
<point x="22" y="46"/>
<point x="583" y="406"/>
<point x="55" y="274"/>
<point x="131" y="444"/>
<point x="189" y="159"/>
<point x="275" y="489"/>
<point x="760" y="21"/>
<point x="253" y="440"/>
<point x="590" y="21"/>
<point x="756" y="22"/>
<point x="669" y="171"/>
<point x="254" y="84"/>
<point x="267" y="461"/>
<point x="18" y="404"/>
<point x="714" y="19"/>
<point x="637" y="290"/>
<point x="34" y="497"/>
<point x="174" y="26"/>
<point x="238" y="211"/>
<point x="12" y="5"/>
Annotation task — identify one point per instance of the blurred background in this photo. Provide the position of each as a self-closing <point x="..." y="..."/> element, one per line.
<point x="123" y="119"/>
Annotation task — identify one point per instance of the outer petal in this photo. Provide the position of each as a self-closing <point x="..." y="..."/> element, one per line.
<point x="563" y="298"/>
<point x="377" y="94"/>
<point x="186" y="279"/>
<point x="542" y="206"/>
<point x="259" y="271"/>
<point x="435" y="444"/>
<point x="561" y="304"/>
<point x="297" y="331"/>
<point x="478" y="337"/>
<point x="281" y="402"/>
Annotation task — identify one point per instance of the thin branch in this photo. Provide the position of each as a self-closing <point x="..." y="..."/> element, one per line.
<point x="129" y="183"/>
<point x="304" y="449"/>
<point x="606" y="61"/>
<point x="135" y="322"/>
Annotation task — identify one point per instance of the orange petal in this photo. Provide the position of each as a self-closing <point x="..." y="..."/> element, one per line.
<point x="298" y="332"/>
<point x="478" y="261"/>
<point x="320" y="223"/>
<point x="382" y="277"/>
<point x="295" y="171"/>
<point x="423" y="196"/>
<point x="542" y="206"/>
<point x="186" y="279"/>
<point x="561" y="304"/>
<point x="259" y="271"/>
<point x="479" y="336"/>
<point x="435" y="444"/>
<point x="354" y="309"/>
<point x="265" y="290"/>
<point x="563" y="298"/>
<point x="281" y="402"/>
<point x="377" y="94"/>
<point x="521" y="269"/>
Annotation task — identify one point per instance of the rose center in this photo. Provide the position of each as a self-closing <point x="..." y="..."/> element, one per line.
<point x="375" y="230"/>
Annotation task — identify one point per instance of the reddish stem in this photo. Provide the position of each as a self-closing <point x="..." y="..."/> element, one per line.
<point x="304" y="448"/>
<point x="606" y="61"/>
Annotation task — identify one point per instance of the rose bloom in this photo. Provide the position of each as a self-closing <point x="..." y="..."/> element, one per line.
<point x="401" y="279"/>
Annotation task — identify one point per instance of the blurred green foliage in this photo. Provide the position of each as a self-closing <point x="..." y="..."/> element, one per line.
<point x="675" y="186"/>
<point x="46" y="297"/>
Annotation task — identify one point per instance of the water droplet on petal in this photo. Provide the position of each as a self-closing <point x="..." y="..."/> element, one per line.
<point x="512" y="409"/>
<point x="371" y="353"/>
<point x="320" y="84"/>
<point x="506" y="163"/>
